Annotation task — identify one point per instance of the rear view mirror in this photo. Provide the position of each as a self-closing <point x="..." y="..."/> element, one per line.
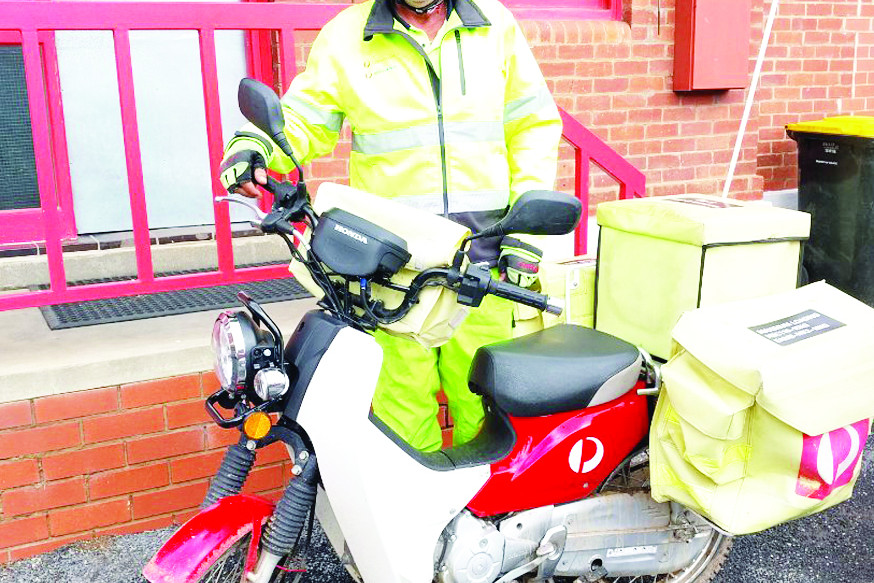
<point x="538" y="212"/>
<point x="543" y="212"/>
<point x="261" y="106"/>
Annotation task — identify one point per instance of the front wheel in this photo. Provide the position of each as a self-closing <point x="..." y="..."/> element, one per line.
<point x="228" y="568"/>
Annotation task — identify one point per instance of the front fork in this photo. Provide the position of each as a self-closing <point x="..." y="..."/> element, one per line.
<point x="284" y="528"/>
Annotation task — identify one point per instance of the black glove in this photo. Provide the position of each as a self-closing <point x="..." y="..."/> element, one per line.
<point x="239" y="165"/>
<point x="519" y="262"/>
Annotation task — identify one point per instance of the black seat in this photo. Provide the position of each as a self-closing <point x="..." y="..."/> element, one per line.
<point x="563" y="368"/>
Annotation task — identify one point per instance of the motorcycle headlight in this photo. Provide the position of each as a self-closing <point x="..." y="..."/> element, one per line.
<point x="229" y="344"/>
<point x="270" y="383"/>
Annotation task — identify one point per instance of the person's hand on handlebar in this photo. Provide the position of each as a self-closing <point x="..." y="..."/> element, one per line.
<point x="242" y="167"/>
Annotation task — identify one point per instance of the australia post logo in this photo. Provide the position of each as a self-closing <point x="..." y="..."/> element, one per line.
<point x="828" y="461"/>
<point x="585" y="464"/>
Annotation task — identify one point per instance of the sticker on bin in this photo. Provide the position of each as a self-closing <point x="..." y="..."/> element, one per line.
<point x="796" y="328"/>
<point x="829" y="461"/>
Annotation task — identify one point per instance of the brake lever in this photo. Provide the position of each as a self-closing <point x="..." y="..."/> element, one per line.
<point x="246" y="202"/>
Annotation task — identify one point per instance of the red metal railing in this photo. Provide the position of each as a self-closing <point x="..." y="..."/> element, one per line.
<point x="590" y="148"/>
<point x="32" y="23"/>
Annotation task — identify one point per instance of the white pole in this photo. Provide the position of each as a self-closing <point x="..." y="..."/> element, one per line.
<point x="751" y="96"/>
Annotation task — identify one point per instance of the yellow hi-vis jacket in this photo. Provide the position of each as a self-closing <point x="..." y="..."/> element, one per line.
<point x="461" y="126"/>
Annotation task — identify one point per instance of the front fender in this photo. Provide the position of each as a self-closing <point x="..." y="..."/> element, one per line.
<point x="206" y="536"/>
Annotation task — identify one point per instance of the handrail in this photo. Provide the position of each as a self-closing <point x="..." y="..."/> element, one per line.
<point x="29" y="20"/>
<point x="590" y="148"/>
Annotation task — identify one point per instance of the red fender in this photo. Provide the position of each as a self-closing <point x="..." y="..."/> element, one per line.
<point x="206" y="536"/>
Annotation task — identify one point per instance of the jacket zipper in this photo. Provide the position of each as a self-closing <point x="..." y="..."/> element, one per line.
<point x="436" y="87"/>
<point x="460" y="63"/>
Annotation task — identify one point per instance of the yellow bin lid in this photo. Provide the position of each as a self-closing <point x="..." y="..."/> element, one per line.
<point x="844" y="125"/>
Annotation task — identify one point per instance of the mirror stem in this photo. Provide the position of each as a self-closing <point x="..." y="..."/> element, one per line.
<point x="283" y="144"/>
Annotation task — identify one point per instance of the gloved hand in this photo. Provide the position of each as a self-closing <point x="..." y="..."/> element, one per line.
<point x="243" y="163"/>
<point x="519" y="262"/>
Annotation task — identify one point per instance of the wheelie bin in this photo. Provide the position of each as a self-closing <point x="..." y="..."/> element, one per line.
<point x="836" y="186"/>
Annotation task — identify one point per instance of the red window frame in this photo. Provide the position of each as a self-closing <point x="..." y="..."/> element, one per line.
<point x="566" y="9"/>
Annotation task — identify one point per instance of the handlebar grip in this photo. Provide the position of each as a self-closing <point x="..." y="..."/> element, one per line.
<point x="514" y="293"/>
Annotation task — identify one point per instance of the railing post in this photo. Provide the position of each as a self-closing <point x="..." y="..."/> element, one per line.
<point x="581" y="190"/>
<point x="209" y="70"/>
<point x="39" y="121"/>
<point x="132" y="153"/>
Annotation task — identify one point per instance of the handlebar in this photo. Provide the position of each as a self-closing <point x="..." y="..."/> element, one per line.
<point x="291" y="204"/>
<point x="521" y="295"/>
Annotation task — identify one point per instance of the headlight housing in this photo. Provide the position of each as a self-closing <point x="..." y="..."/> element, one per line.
<point x="233" y="337"/>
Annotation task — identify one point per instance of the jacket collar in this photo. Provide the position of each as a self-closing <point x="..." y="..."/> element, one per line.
<point x="382" y="18"/>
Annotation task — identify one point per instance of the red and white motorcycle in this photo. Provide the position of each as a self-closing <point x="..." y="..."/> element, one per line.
<point x="554" y="487"/>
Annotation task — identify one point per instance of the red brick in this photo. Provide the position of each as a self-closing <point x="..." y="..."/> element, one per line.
<point x="39" y="440"/>
<point x="167" y="500"/>
<point x="18" y="473"/>
<point x="137" y="526"/>
<point x="38" y="549"/>
<point x="82" y="462"/>
<point x="183" y="517"/>
<point x="194" y="467"/>
<point x="123" y="425"/>
<point x="264" y="479"/>
<point x="128" y="480"/>
<point x="160" y="391"/>
<point x="88" y="517"/>
<point x="218" y="437"/>
<point x="23" y="531"/>
<point x="209" y="382"/>
<point x="75" y="405"/>
<point x="276" y="452"/>
<point x="51" y="495"/>
<point x="164" y="446"/>
<point x="185" y="414"/>
<point x="15" y="414"/>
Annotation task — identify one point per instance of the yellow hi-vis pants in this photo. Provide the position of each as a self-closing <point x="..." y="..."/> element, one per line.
<point x="411" y="377"/>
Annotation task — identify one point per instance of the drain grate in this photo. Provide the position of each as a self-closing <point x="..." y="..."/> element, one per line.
<point x="140" y="307"/>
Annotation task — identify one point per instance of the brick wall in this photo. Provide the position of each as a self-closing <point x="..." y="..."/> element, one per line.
<point x="820" y="63"/>
<point x="113" y="460"/>
<point x="116" y="460"/>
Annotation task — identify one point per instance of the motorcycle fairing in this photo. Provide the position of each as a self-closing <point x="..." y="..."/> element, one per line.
<point x="390" y="508"/>
<point x="563" y="457"/>
<point x="202" y="540"/>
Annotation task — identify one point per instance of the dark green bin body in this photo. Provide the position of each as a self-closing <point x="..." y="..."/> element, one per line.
<point x="836" y="186"/>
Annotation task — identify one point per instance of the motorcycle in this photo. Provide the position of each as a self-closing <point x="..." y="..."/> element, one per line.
<point x="553" y="488"/>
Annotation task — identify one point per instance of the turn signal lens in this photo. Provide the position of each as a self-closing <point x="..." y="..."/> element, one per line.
<point x="257" y="425"/>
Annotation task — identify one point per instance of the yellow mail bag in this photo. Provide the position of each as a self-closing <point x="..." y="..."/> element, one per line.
<point x="765" y="408"/>
<point x="431" y="240"/>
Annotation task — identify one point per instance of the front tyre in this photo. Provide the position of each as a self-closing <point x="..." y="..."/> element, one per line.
<point x="228" y="568"/>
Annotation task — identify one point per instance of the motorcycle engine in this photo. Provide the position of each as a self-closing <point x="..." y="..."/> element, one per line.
<point x="616" y="534"/>
<point x="473" y="551"/>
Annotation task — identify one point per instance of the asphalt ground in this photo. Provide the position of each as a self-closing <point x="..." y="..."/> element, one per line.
<point x="835" y="546"/>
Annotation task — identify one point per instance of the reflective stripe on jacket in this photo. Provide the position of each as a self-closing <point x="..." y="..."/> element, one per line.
<point x="460" y="126"/>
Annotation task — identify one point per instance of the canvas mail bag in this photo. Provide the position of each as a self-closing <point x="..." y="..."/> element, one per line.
<point x="431" y="241"/>
<point x="663" y="255"/>
<point x="765" y="408"/>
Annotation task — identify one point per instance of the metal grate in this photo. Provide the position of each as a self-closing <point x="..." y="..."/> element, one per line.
<point x="17" y="164"/>
<point x="140" y="307"/>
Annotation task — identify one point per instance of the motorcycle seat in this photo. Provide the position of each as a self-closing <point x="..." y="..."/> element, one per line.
<point x="559" y="369"/>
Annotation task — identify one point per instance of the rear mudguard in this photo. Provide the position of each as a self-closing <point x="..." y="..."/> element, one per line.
<point x="202" y="540"/>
